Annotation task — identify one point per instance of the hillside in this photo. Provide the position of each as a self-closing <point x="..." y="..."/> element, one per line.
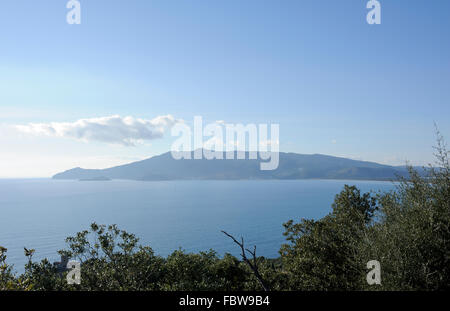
<point x="291" y="166"/>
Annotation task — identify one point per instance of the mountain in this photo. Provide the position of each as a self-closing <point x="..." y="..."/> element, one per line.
<point x="291" y="166"/>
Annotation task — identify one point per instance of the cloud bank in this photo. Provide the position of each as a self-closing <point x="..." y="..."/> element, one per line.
<point x="126" y="131"/>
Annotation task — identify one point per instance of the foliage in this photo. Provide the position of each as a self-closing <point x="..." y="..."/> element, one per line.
<point x="324" y="254"/>
<point x="412" y="239"/>
<point x="406" y="230"/>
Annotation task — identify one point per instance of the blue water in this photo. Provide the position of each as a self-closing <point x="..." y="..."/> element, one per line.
<point x="166" y="215"/>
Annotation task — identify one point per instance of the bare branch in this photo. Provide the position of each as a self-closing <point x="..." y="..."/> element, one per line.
<point x="253" y="265"/>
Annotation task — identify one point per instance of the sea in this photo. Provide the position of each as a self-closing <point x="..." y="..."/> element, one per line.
<point x="165" y="215"/>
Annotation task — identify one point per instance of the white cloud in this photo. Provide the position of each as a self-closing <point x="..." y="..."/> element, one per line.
<point x="126" y="131"/>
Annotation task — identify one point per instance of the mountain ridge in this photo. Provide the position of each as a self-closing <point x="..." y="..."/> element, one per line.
<point x="291" y="166"/>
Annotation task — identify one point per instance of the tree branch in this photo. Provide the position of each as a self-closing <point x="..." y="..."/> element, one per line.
<point x="253" y="265"/>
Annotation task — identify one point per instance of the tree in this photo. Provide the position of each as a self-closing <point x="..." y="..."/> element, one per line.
<point x="412" y="239"/>
<point x="324" y="254"/>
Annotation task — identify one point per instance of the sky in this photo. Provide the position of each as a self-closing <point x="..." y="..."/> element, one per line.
<point x="335" y="84"/>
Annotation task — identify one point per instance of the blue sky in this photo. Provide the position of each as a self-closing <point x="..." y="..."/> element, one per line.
<point x="335" y="84"/>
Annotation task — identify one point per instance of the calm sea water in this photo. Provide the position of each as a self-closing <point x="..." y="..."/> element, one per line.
<point x="165" y="215"/>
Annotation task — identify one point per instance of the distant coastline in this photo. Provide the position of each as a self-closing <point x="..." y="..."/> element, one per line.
<point x="292" y="166"/>
<point x="101" y="178"/>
